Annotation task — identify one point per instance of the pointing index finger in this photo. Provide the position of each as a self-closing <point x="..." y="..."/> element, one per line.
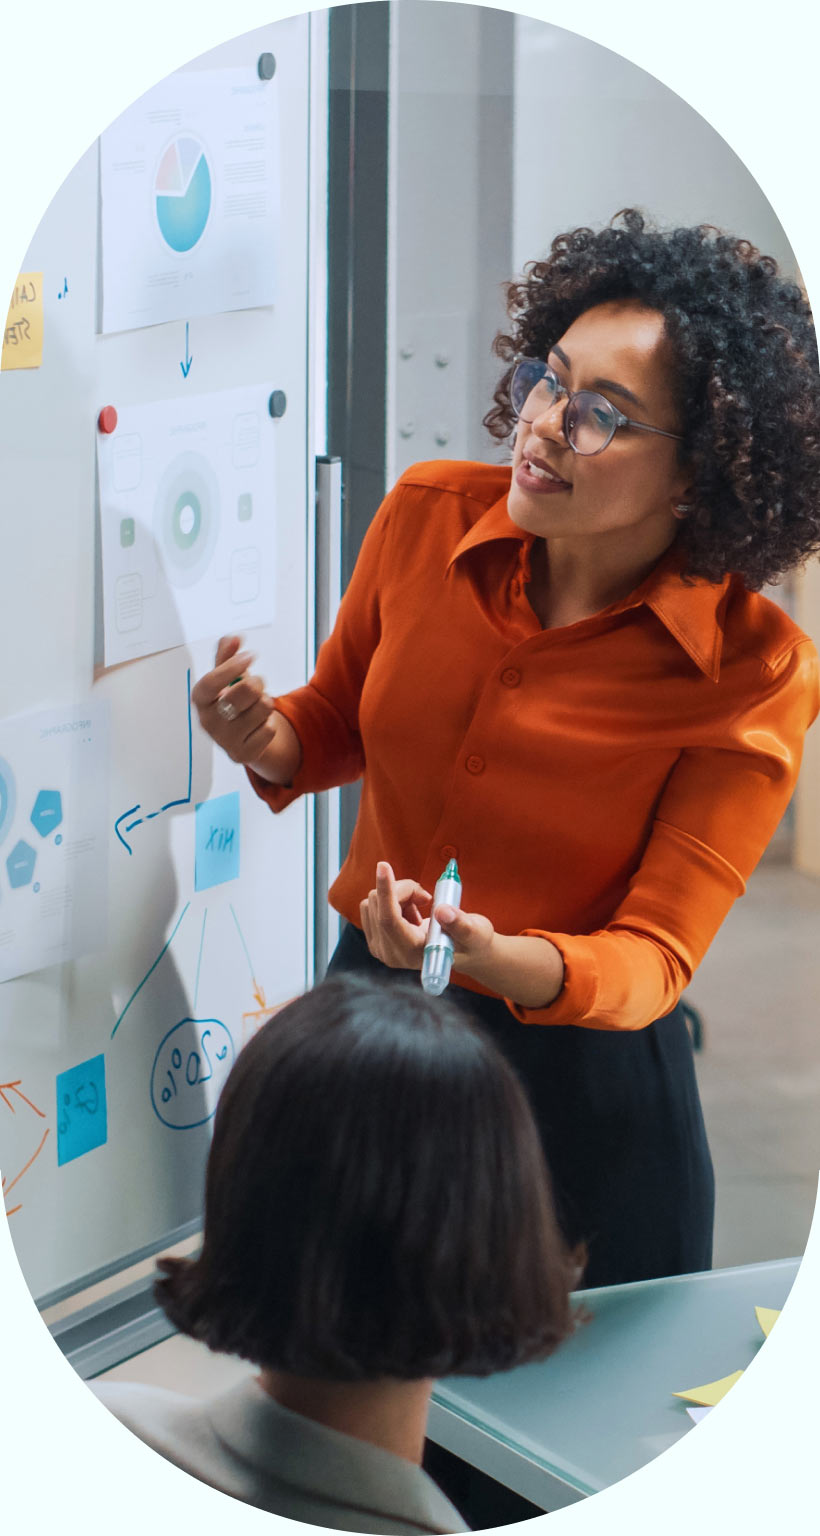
<point x="386" y="899"/>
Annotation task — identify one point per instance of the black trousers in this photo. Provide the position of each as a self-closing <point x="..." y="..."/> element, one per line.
<point x="621" y="1125"/>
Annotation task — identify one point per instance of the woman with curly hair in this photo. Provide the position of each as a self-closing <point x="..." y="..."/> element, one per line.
<point x="562" y="673"/>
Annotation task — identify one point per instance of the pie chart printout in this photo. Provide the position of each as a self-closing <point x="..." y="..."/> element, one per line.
<point x="183" y="194"/>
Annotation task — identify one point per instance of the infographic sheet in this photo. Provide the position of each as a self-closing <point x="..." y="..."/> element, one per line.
<point x="53" y="849"/>
<point x="187" y="512"/>
<point x="189" y="178"/>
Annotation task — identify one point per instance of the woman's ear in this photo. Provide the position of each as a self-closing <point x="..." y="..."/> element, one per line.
<point x="683" y="503"/>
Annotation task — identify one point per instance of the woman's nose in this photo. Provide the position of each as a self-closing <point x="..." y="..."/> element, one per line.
<point x="549" y="420"/>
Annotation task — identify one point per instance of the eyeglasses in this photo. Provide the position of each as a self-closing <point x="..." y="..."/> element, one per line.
<point x="590" y="420"/>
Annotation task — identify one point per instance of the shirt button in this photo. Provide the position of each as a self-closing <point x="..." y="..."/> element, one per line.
<point x="448" y="852"/>
<point x="474" y="764"/>
<point x="511" y="677"/>
<point x="515" y="586"/>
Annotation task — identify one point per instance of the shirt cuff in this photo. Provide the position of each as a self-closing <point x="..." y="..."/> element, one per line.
<point x="575" y="1000"/>
<point x="280" y="796"/>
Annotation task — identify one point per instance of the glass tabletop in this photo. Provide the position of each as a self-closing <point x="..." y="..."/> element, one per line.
<point x="602" y="1406"/>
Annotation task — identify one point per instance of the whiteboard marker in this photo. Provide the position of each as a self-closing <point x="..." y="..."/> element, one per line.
<point x="439" y="949"/>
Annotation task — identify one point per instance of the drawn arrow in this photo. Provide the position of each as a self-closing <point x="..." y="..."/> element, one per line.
<point x="186" y="366"/>
<point x="7" y="1188"/>
<point x="15" y="1088"/>
<point x="169" y="804"/>
<point x="258" y="991"/>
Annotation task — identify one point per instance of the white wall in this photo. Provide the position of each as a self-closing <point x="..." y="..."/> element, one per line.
<point x="593" y="134"/>
<point x="504" y="131"/>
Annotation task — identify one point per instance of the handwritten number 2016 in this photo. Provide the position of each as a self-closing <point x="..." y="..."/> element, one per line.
<point x="193" y="1067"/>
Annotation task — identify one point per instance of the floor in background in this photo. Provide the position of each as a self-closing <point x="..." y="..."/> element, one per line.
<point x="758" y="991"/>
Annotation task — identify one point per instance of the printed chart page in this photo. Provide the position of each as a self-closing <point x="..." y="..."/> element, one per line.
<point x="187" y="513"/>
<point x="190" y="200"/>
<point x="53" y="845"/>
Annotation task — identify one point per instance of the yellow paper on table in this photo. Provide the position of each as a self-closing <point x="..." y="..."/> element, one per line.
<point x="713" y="1391"/>
<point x="23" y="336"/>
<point x="767" y="1317"/>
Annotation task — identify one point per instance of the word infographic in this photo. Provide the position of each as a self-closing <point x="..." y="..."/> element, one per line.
<point x="53" y="801"/>
<point x="187" y="512"/>
<point x="190" y="200"/>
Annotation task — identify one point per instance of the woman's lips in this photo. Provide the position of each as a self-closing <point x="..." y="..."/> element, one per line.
<point x="531" y="477"/>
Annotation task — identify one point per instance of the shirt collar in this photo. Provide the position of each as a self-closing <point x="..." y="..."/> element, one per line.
<point x="322" y="1463"/>
<point x="692" y="610"/>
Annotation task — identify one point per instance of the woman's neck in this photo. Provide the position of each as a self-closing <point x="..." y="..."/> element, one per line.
<point x="574" y="579"/>
<point x="390" y="1414"/>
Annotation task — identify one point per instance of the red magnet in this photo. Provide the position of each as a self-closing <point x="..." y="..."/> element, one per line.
<point x="107" y="419"/>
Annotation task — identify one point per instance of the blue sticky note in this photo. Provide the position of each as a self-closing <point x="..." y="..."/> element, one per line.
<point x="82" y="1116"/>
<point x="217" y="841"/>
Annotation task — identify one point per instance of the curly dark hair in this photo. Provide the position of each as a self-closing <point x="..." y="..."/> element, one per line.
<point x="746" y="378"/>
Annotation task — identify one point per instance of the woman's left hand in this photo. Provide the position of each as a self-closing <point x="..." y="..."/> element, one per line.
<point x="396" y="931"/>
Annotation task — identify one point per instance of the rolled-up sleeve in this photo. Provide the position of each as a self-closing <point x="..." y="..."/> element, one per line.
<point x="325" y="712"/>
<point x="717" y="813"/>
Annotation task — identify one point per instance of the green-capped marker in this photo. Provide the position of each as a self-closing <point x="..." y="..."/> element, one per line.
<point x="438" y="951"/>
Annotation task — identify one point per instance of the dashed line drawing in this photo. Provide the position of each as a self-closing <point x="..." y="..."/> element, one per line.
<point x="170" y="804"/>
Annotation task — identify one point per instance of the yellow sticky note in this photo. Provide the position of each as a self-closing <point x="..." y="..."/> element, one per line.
<point x="713" y="1391"/>
<point x="23" y="336"/>
<point x="767" y="1317"/>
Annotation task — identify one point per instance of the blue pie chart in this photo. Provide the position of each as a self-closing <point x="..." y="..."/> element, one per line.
<point x="183" y="193"/>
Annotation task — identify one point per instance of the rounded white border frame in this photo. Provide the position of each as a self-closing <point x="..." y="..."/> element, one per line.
<point x="752" y="73"/>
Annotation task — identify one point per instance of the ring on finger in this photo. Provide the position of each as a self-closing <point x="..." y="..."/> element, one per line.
<point x="226" y="709"/>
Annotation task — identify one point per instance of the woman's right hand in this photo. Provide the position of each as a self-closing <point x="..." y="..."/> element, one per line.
<point x="237" y="713"/>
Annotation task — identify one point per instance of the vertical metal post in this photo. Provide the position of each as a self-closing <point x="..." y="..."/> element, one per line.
<point x="328" y="567"/>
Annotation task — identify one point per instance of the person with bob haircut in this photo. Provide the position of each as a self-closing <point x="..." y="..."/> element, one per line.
<point x="377" y="1214"/>
<point x="562" y="672"/>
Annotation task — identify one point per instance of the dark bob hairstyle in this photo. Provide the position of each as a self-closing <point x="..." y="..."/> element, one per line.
<point x="376" y="1199"/>
<point x="744" y="369"/>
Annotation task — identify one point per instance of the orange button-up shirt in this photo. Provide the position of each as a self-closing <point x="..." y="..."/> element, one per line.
<point x="609" y="784"/>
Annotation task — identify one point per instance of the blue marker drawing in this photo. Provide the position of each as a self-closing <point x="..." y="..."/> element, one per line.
<point x="199" y="957"/>
<point x="190" y="1067"/>
<point x="217" y="841"/>
<point x="186" y="366"/>
<point x="151" y="969"/>
<point x="82" y="1116"/>
<point x="130" y="816"/>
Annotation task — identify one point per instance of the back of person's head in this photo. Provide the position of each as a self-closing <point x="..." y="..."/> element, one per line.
<point x="377" y="1203"/>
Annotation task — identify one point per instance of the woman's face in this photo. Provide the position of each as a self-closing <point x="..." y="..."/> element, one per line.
<point x="618" y="349"/>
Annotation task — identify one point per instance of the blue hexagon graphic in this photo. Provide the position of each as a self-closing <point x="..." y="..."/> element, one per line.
<point x="20" y="864"/>
<point x="48" y="811"/>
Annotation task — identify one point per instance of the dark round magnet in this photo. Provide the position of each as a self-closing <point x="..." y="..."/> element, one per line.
<point x="266" y="66"/>
<point x="278" y="403"/>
